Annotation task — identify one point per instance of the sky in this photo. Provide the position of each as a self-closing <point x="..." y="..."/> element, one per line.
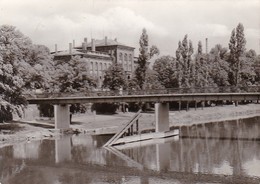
<point x="50" y="22"/>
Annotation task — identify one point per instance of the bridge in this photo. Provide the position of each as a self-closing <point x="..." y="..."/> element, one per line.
<point x="160" y="97"/>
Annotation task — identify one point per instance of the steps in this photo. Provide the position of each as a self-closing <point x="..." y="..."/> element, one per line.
<point x="128" y="127"/>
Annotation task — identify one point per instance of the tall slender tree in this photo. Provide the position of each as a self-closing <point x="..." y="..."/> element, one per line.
<point x="199" y="48"/>
<point x="185" y="66"/>
<point x="237" y="50"/>
<point x="142" y="59"/>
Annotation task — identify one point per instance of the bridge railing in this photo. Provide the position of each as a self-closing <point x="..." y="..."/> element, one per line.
<point x="226" y="89"/>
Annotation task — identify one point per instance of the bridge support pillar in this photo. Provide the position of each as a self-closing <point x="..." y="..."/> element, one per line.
<point x="62" y="116"/>
<point x="162" y="117"/>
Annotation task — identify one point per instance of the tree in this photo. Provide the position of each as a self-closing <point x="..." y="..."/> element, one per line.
<point x="185" y="67"/>
<point x="38" y="69"/>
<point x="73" y="76"/>
<point x="247" y="69"/>
<point x="237" y="49"/>
<point x="114" y="78"/>
<point x="199" y="48"/>
<point x="15" y="48"/>
<point x="154" y="51"/>
<point x="142" y="59"/>
<point x="257" y="69"/>
<point x="144" y="56"/>
<point x="24" y="68"/>
<point x="218" y="67"/>
<point x="11" y="100"/>
<point x="151" y="81"/>
<point x="200" y="72"/>
<point x="166" y="71"/>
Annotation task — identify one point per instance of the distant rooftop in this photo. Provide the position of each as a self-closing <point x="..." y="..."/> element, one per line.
<point x="67" y="52"/>
<point x="103" y="42"/>
<point x="76" y="52"/>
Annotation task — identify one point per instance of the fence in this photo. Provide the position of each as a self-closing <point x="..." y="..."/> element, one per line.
<point x="95" y="93"/>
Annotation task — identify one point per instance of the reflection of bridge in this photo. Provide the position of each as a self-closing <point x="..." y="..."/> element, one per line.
<point x="183" y="160"/>
<point x="160" y="97"/>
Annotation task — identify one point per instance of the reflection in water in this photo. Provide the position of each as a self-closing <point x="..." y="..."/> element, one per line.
<point x="62" y="149"/>
<point x="162" y="156"/>
<point x="230" y="148"/>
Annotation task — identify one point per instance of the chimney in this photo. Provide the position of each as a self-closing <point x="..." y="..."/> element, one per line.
<point x="84" y="46"/>
<point x="206" y="45"/>
<point x="73" y="43"/>
<point x="105" y="40"/>
<point x="116" y="39"/>
<point x="93" y="47"/>
<point x="56" y="48"/>
<point x="86" y="40"/>
<point x="70" y="48"/>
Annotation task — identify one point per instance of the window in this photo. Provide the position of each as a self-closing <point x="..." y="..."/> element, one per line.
<point x="105" y="66"/>
<point x="101" y="66"/>
<point x="120" y="57"/>
<point x="130" y="58"/>
<point x="91" y="66"/>
<point x="125" y="58"/>
<point x="96" y="66"/>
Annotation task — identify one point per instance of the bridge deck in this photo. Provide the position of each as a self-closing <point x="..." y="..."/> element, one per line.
<point x="146" y="98"/>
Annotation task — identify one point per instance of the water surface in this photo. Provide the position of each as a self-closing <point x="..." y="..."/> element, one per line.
<point x="215" y="152"/>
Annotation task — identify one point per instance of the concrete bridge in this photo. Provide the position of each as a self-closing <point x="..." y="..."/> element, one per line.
<point x="161" y="98"/>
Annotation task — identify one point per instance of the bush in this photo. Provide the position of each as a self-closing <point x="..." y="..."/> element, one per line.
<point x="105" y="108"/>
<point x="46" y="110"/>
<point x="5" y="114"/>
<point x="133" y="107"/>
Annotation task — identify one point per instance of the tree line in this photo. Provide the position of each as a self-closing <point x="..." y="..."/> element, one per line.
<point x="193" y="68"/>
<point x="26" y="67"/>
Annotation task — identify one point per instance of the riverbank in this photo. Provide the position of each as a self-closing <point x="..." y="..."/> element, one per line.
<point x="109" y="124"/>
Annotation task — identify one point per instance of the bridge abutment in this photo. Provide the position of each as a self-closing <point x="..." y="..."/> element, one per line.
<point x="62" y="116"/>
<point x="162" y="117"/>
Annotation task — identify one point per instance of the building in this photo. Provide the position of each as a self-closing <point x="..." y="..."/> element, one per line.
<point x="100" y="54"/>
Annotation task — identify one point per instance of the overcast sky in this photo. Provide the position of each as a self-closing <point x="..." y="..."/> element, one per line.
<point x="167" y="21"/>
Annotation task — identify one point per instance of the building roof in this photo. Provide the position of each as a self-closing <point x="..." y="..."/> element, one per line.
<point x="76" y="52"/>
<point x="67" y="52"/>
<point x="110" y="42"/>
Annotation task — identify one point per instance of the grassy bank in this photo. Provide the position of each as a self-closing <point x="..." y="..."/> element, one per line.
<point x="109" y="124"/>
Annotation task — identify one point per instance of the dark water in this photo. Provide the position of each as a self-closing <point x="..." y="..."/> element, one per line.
<point x="212" y="153"/>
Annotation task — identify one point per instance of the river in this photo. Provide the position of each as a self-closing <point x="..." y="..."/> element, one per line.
<point x="217" y="152"/>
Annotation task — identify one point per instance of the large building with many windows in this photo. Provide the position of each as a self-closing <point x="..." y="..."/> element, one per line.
<point x="99" y="55"/>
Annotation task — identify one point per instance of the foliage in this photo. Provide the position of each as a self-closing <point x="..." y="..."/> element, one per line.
<point x="154" y="51"/>
<point x="218" y="66"/>
<point x="151" y="81"/>
<point x="257" y="69"/>
<point x="200" y="69"/>
<point x="114" y="78"/>
<point x="247" y="70"/>
<point x="46" y="110"/>
<point x="14" y="49"/>
<point x="103" y="108"/>
<point x="184" y="66"/>
<point x="38" y="69"/>
<point x="237" y="49"/>
<point x="142" y="59"/>
<point x="165" y="68"/>
<point x="73" y="76"/>
<point x="24" y="67"/>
